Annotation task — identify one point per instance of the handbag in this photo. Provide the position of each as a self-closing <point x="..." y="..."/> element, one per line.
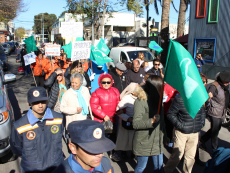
<point x="127" y="125"/>
<point x="108" y="126"/>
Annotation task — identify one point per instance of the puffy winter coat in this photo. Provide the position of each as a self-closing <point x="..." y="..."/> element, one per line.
<point x="52" y="83"/>
<point x="38" y="66"/>
<point x="106" y="99"/>
<point x="179" y="117"/>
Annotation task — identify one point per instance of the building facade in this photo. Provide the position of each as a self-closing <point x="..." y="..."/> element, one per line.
<point x="209" y="34"/>
<point x="6" y="32"/>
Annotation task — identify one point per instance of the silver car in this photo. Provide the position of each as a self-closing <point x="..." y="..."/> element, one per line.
<point x="6" y="47"/>
<point x="6" y="113"/>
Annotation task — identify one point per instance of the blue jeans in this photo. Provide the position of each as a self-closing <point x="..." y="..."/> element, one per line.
<point x="27" y="69"/>
<point x="142" y="162"/>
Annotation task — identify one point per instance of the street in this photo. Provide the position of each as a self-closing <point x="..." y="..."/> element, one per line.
<point x="17" y="94"/>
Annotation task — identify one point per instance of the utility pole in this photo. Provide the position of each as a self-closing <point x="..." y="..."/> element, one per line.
<point x="92" y="23"/>
<point x="43" y="28"/>
<point x="147" y="8"/>
<point x="41" y="31"/>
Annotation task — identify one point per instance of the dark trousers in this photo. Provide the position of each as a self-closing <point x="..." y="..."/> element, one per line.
<point x="39" y="80"/>
<point x="169" y="128"/>
<point x="213" y="132"/>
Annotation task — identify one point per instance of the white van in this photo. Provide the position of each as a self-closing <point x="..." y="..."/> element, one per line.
<point x="128" y="54"/>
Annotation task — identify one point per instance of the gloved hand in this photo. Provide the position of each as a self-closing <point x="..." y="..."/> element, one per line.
<point x="156" y="118"/>
<point x="92" y="77"/>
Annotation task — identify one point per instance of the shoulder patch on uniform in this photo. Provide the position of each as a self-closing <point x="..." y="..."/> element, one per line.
<point x="30" y="135"/>
<point x="26" y="128"/>
<point x="54" y="129"/>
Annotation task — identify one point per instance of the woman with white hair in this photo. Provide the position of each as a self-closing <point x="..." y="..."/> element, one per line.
<point x="75" y="102"/>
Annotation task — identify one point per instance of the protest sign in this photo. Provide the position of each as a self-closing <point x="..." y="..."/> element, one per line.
<point x="80" y="50"/>
<point x="29" y="58"/>
<point x="71" y="29"/>
<point x="52" y="50"/>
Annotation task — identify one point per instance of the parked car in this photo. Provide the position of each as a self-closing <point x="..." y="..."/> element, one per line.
<point x="12" y="45"/>
<point x="6" y="48"/>
<point x="226" y="119"/>
<point x="6" y="114"/>
<point x="4" y="60"/>
<point x="128" y="54"/>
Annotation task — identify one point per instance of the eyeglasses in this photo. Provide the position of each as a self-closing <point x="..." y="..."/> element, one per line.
<point x="59" y="74"/>
<point x="79" y="66"/>
<point x="105" y="82"/>
<point x="157" y="64"/>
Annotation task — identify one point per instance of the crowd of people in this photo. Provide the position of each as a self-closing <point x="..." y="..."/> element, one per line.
<point x="131" y="110"/>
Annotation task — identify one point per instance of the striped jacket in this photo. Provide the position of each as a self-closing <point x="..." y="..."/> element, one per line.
<point x="38" y="144"/>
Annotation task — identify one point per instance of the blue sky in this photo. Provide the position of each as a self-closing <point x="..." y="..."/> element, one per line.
<point x="25" y="19"/>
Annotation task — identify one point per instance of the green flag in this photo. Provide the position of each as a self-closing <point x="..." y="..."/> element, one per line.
<point x="79" y="39"/>
<point x="182" y="74"/>
<point x="68" y="49"/>
<point x="103" y="47"/>
<point x="30" y="44"/>
<point x="99" y="56"/>
<point x="153" y="45"/>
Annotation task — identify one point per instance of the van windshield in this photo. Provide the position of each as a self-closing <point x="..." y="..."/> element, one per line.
<point x="133" y="55"/>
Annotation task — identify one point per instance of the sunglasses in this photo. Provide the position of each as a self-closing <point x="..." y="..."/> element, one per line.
<point x="59" y="75"/>
<point x="156" y="64"/>
<point x="106" y="82"/>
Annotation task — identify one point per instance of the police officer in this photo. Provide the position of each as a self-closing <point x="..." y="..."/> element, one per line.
<point x="37" y="136"/>
<point x="87" y="144"/>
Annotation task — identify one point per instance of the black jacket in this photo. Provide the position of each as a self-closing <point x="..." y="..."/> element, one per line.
<point x="179" y="117"/>
<point x="51" y="82"/>
<point x="152" y="70"/>
<point x="86" y="76"/>
<point x="119" y="81"/>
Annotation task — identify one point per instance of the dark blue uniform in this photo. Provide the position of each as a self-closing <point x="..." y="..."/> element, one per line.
<point x="38" y="142"/>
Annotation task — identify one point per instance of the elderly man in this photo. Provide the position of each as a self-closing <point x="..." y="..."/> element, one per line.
<point x="118" y="76"/>
<point x="87" y="145"/>
<point x="136" y="74"/>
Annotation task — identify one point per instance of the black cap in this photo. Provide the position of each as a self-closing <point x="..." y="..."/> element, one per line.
<point x="225" y="76"/>
<point x="90" y="136"/>
<point x="36" y="94"/>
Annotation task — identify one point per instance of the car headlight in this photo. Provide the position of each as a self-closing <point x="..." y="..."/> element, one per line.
<point x="4" y="143"/>
<point x="4" y="116"/>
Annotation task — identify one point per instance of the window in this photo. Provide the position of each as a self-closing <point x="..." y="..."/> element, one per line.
<point x="133" y="55"/>
<point x="201" y="8"/>
<point x="123" y="57"/>
<point x="207" y="47"/>
<point x="213" y="11"/>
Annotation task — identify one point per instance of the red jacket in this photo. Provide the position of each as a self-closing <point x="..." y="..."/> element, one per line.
<point x="106" y="99"/>
<point x="171" y="93"/>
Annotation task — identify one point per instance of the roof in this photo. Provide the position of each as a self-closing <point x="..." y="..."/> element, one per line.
<point x="182" y="39"/>
<point x="130" y="48"/>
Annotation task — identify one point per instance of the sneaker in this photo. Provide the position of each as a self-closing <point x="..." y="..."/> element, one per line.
<point x="124" y="155"/>
<point x="115" y="157"/>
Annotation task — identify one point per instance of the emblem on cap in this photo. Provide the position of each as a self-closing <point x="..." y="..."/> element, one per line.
<point x="36" y="93"/>
<point x="97" y="133"/>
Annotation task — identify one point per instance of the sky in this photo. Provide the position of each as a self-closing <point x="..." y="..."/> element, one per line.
<point x="34" y="7"/>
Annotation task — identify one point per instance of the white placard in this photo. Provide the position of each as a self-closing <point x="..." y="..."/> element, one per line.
<point x="80" y="50"/>
<point x="52" y="50"/>
<point x="52" y="37"/>
<point x="29" y="58"/>
<point x="71" y="29"/>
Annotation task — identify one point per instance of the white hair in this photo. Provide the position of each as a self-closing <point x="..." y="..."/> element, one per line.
<point x="77" y="75"/>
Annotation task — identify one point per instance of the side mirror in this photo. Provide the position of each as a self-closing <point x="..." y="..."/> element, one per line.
<point x="9" y="78"/>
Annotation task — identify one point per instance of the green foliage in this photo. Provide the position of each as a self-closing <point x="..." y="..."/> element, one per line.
<point x="49" y="19"/>
<point x="20" y="32"/>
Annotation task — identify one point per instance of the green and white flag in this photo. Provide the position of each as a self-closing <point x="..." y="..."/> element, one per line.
<point x="99" y="56"/>
<point x="153" y="45"/>
<point x="103" y="47"/>
<point x="30" y="44"/>
<point x="182" y="74"/>
<point x="68" y="49"/>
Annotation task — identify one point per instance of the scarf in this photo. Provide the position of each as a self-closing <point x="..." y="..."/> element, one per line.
<point x="62" y="89"/>
<point x="226" y="91"/>
<point x="81" y="102"/>
<point x="129" y="89"/>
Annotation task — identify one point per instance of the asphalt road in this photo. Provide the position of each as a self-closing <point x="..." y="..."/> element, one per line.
<point x="17" y="94"/>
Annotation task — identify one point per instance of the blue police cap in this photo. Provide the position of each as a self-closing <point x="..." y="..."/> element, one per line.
<point x="90" y="136"/>
<point x="36" y="94"/>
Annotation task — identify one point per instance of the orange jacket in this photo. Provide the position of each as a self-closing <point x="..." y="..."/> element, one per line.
<point x="86" y="66"/>
<point x="47" y="60"/>
<point x="49" y="69"/>
<point x="38" y="66"/>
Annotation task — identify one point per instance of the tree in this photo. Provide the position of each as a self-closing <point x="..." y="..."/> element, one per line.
<point x="181" y="17"/>
<point x="49" y="19"/>
<point x="95" y="11"/>
<point x="19" y="33"/>
<point x="9" y="9"/>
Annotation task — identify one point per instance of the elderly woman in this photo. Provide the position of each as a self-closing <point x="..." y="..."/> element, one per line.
<point x="125" y="137"/>
<point x="59" y="85"/>
<point x="75" y="101"/>
<point x="78" y="68"/>
<point x="150" y="128"/>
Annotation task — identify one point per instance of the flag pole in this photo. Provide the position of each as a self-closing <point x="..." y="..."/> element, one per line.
<point x="91" y="67"/>
<point x="161" y="96"/>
